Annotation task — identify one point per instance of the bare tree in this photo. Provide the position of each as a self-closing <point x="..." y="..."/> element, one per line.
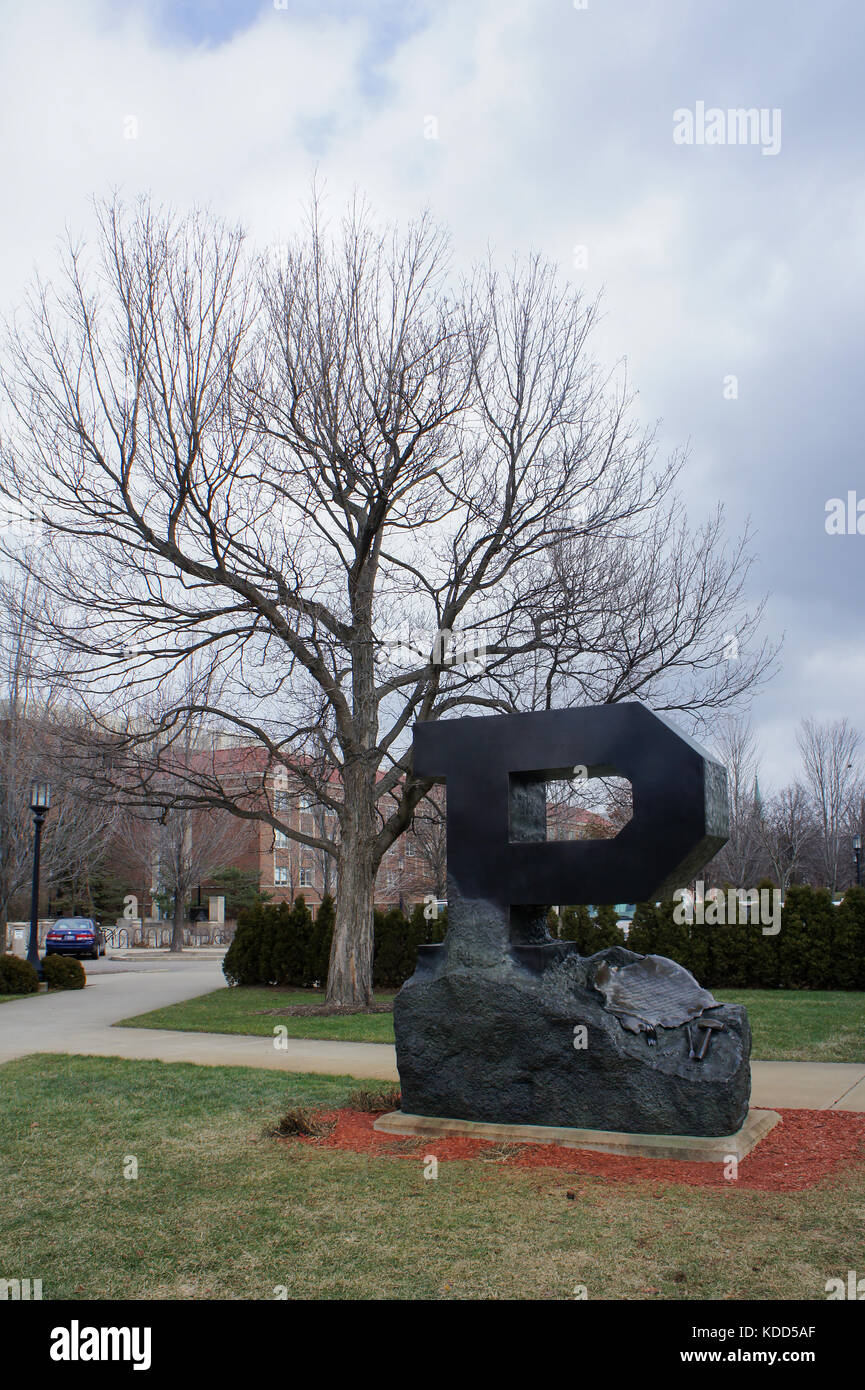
<point x="429" y="836"/>
<point x="178" y="850"/>
<point x="18" y="759"/>
<point x="178" y="843"/>
<point x="80" y="830"/>
<point x="786" y="832"/>
<point x="831" y="756"/>
<point x="592" y="808"/>
<point x="326" y="830"/>
<point x="855" y="824"/>
<point x="620" y="803"/>
<point x="34" y="725"/>
<point x="416" y="865"/>
<point x="283" y="469"/>
<point x="739" y="862"/>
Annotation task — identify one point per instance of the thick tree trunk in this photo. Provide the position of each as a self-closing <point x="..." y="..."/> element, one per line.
<point x="349" y="978"/>
<point x="177" y="925"/>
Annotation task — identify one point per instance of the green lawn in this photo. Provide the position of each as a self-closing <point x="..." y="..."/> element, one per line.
<point x="803" y="1025"/>
<point x="220" y="1211"/>
<point x="242" y="1010"/>
<point x="788" y="1025"/>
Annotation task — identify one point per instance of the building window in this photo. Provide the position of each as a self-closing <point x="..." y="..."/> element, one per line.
<point x="280" y="874"/>
<point x="410" y="850"/>
<point x="280" y="838"/>
<point x="281" y="800"/>
<point x="306" y="878"/>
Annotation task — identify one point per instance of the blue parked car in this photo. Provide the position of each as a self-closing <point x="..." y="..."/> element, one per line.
<point x="75" y="936"/>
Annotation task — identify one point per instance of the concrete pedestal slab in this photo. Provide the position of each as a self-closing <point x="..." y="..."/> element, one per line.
<point x="693" y="1149"/>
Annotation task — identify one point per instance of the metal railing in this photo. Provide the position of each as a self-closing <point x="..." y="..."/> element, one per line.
<point x="158" y="935"/>
<point x="116" y="937"/>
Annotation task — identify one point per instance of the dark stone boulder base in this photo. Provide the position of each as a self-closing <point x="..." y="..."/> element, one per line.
<point x="496" y="1043"/>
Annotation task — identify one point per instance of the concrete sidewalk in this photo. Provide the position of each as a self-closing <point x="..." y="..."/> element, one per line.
<point x="76" y="1021"/>
<point x="785" y="1085"/>
<point x="376" y="1061"/>
<point x="59" y="1023"/>
<point x="808" y="1085"/>
<point x="70" y="1022"/>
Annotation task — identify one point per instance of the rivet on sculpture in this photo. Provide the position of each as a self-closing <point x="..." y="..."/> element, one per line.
<point x="486" y="1026"/>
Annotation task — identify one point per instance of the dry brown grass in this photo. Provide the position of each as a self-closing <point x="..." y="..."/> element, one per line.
<point x="374" y="1098"/>
<point x="299" y="1121"/>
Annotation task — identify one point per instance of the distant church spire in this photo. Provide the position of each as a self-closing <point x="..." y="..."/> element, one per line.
<point x="758" y="800"/>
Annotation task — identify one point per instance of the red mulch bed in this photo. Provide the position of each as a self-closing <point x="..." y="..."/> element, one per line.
<point x="807" y="1146"/>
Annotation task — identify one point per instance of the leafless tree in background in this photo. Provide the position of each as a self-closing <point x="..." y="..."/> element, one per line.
<point x="855" y="823"/>
<point x="176" y="852"/>
<point x="429" y="831"/>
<point x="177" y="844"/>
<point x="21" y="715"/>
<point x="594" y="808"/>
<point x="831" y="756"/>
<point x="34" y="725"/>
<point x="278" y="467"/>
<point x="326" y="829"/>
<point x="787" y="832"/>
<point x="739" y="863"/>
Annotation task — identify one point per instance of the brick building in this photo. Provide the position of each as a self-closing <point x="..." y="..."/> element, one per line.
<point x="414" y="868"/>
<point x="411" y="870"/>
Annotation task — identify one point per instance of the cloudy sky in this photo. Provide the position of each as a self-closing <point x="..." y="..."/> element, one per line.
<point x="547" y="124"/>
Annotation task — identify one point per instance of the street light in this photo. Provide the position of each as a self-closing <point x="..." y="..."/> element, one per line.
<point x="857" y="855"/>
<point x="40" y="802"/>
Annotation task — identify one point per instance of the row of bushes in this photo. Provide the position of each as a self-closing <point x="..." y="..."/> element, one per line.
<point x="63" y="972"/>
<point x="819" y="946"/>
<point x="397" y="938"/>
<point x="590" y="933"/>
<point x="280" y="944"/>
<point x="18" y="976"/>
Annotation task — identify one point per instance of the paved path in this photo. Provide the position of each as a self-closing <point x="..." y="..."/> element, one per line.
<point x="69" y="1021"/>
<point x="808" y="1085"/>
<point x="58" y="1023"/>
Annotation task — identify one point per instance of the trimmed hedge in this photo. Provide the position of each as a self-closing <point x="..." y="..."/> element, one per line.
<point x="63" y="972"/>
<point x="590" y="934"/>
<point x="17" y="976"/>
<point x="280" y="944"/>
<point x="397" y="938"/>
<point x="819" y="946"/>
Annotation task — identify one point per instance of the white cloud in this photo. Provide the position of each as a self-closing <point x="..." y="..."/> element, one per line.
<point x="554" y="129"/>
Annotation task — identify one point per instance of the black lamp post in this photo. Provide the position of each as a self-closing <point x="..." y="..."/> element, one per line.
<point x="857" y="855"/>
<point x="40" y="801"/>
